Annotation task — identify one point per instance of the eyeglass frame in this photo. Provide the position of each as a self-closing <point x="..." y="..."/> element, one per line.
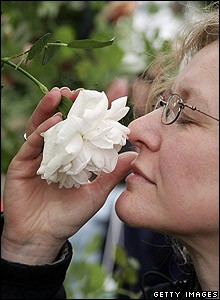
<point x="182" y="105"/>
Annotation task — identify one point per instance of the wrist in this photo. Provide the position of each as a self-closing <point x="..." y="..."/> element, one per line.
<point x="36" y="253"/>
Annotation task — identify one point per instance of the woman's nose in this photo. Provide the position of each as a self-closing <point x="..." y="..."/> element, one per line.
<point x="147" y="130"/>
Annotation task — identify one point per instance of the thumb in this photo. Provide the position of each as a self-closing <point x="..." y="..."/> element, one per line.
<point x="107" y="181"/>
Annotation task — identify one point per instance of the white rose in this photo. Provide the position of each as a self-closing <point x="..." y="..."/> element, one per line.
<point x="86" y="142"/>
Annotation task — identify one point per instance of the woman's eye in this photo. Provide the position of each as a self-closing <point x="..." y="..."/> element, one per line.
<point x="184" y="121"/>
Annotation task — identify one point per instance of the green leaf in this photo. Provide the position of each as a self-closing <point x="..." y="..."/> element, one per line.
<point x="38" y="46"/>
<point x="64" y="106"/>
<point x="131" y="276"/>
<point x="120" y="256"/>
<point x="134" y="263"/>
<point x="97" y="275"/>
<point x="94" y="245"/>
<point x="89" y="44"/>
<point x="49" y="52"/>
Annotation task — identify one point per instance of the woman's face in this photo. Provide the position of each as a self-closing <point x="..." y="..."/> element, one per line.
<point x="173" y="187"/>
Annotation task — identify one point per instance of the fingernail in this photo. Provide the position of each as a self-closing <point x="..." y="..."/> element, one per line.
<point x="63" y="88"/>
<point x="58" y="114"/>
<point x="55" y="89"/>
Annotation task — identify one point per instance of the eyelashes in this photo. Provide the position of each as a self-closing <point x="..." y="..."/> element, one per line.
<point x="184" y="120"/>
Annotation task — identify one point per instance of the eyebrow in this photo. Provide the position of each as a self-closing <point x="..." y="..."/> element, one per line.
<point x="188" y="93"/>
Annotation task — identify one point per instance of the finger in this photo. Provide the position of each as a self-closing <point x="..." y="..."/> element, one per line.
<point x="75" y="94"/>
<point x="44" y="110"/>
<point x="48" y="106"/>
<point x="65" y="91"/>
<point x="72" y="95"/>
<point x="106" y="182"/>
<point x="34" y="144"/>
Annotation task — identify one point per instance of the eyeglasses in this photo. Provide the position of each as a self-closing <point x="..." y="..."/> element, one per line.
<point x="173" y="107"/>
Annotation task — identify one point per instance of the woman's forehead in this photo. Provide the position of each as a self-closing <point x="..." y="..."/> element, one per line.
<point x="201" y="73"/>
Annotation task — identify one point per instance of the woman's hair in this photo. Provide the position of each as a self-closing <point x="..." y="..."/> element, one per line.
<point x="202" y="31"/>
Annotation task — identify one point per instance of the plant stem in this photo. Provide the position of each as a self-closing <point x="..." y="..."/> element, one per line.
<point x="14" y="56"/>
<point x="42" y="87"/>
<point x="56" y="44"/>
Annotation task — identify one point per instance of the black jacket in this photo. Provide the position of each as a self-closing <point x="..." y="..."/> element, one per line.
<point x="19" y="281"/>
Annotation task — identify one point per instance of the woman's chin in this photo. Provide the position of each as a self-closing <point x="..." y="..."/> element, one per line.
<point x="136" y="208"/>
<point x="125" y="207"/>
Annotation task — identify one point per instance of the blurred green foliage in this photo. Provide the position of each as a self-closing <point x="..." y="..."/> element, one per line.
<point x="23" y="23"/>
<point x="86" y="279"/>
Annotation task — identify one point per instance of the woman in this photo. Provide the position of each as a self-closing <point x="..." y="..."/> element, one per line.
<point x="172" y="187"/>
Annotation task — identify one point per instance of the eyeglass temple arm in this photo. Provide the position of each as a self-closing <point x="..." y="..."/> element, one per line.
<point x="182" y="105"/>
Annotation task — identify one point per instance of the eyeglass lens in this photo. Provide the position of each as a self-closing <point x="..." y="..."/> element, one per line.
<point x="173" y="107"/>
<point x="171" y="110"/>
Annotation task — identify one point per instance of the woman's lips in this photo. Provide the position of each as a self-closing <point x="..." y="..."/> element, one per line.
<point x="136" y="172"/>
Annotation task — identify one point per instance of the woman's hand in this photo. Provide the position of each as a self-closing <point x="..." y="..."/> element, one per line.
<point x="39" y="218"/>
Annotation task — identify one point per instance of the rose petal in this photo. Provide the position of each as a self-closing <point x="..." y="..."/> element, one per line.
<point x="74" y="145"/>
<point x="117" y="110"/>
<point x="69" y="127"/>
